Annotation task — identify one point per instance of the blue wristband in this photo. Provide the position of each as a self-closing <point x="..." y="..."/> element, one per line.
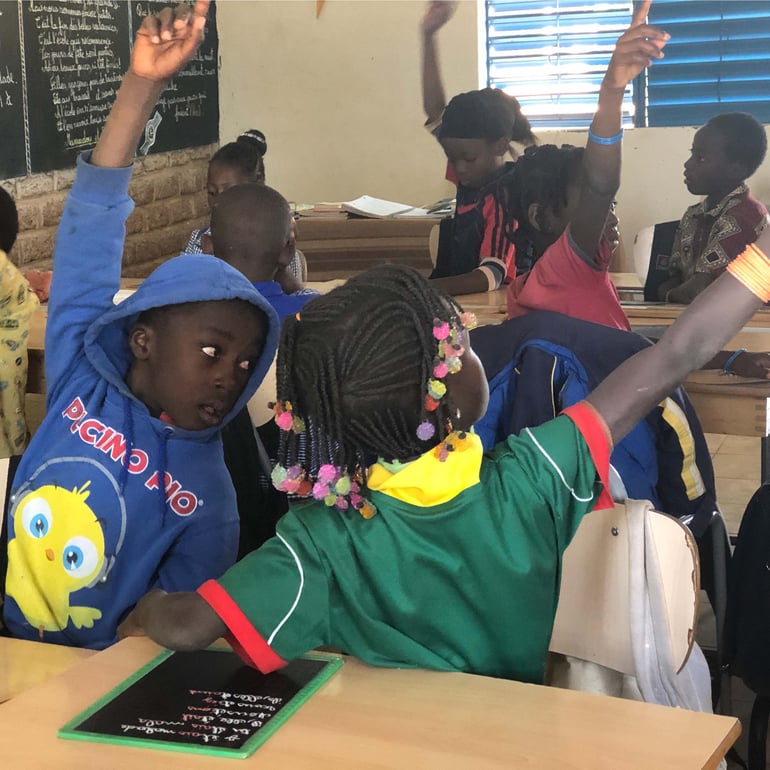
<point x="727" y="364"/>
<point x="605" y="139"/>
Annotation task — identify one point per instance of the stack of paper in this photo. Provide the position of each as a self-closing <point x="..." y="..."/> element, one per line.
<point x="376" y="208"/>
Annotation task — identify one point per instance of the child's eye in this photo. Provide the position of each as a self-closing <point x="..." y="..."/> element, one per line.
<point x="209" y="350"/>
<point x="245" y="365"/>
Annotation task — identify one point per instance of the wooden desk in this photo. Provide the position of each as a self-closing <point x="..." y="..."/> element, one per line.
<point x="489" y="306"/>
<point x="627" y="281"/>
<point x="664" y="315"/>
<point x="26" y="664"/>
<point x="629" y="286"/>
<point x="339" y="247"/>
<point x="368" y="717"/>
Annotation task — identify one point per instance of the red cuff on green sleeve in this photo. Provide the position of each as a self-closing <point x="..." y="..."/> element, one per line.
<point x="242" y="636"/>
<point x="597" y="436"/>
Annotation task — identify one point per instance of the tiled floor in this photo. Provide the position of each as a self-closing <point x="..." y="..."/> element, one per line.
<point x="736" y="467"/>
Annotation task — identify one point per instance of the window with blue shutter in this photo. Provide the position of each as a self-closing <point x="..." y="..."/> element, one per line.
<point x="552" y="54"/>
<point x="718" y="60"/>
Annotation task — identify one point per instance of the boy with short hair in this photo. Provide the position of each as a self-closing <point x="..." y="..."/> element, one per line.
<point x="725" y="152"/>
<point x="124" y="487"/>
<point x="252" y="229"/>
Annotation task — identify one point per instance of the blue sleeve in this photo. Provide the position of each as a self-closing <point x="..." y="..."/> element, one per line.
<point x="87" y="263"/>
<point x="205" y="551"/>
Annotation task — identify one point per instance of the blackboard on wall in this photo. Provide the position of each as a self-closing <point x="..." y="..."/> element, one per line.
<point x="207" y="701"/>
<point x="61" y="62"/>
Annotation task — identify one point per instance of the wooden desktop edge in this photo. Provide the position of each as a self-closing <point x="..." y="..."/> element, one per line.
<point x="69" y="693"/>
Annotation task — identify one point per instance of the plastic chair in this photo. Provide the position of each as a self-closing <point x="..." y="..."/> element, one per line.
<point x="596" y="621"/>
<point x="652" y="254"/>
<point x="642" y="251"/>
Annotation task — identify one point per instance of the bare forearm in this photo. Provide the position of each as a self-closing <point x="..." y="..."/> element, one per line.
<point x="601" y="162"/>
<point x="433" y="98"/>
<point x="133" y="106"/>
<point x="635" y="387"/>
<point x="179" y="621"/>
<point x="667" y="285"/>
<point x="686" y="292"/>
<point x="474" y="282"/>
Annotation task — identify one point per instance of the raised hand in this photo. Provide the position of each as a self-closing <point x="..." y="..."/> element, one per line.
<point x="438" y="13"/>
<point x="635" y="49"/>
<point x="168" y="40"/>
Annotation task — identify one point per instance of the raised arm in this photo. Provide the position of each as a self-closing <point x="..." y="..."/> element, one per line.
<point x="163" y="46"/>
<point x="702" y="330"/>
<point x="436" y="15"/>
<point x="635" y="50"/>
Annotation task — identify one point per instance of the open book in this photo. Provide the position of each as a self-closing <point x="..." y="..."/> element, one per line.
<point x="376" y="208"/>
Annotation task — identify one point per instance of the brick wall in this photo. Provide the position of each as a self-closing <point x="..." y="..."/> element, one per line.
<point x="170" y="196"/>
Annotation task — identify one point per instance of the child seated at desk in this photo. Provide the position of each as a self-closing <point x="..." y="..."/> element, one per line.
<point x="236" y="163"/>
<point x="435" y="555"/>
<point x="475" y="130"/>
<point x="561" y="202"/>
<point x="251" y="229"/>
<point x="551" y="204"/>
<point x="123" y="488"/>
<point x="725" y="152"/>
<point x="17" y="304"/>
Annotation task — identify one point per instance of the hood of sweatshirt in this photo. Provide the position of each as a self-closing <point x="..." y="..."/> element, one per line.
<point x="186" y="278"/>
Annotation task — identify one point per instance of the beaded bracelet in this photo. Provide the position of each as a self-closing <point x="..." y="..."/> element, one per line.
<point x="727" y="364"/>
<point x="605" y="139"/>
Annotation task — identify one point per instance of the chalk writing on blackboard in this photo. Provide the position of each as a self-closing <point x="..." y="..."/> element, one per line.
<point x="207" y="701"/>
<point x="61" y="63"/>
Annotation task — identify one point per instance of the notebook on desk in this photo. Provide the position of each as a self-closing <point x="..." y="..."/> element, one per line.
<point x="377" y="208"/>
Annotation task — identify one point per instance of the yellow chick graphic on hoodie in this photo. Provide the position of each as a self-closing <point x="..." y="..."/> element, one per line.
<point x="58" y="548"/>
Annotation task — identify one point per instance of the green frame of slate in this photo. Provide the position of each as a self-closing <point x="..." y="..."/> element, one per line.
<point x="71" y="730"/>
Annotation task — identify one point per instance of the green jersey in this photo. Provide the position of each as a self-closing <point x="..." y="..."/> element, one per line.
<point x="470" y="584"/>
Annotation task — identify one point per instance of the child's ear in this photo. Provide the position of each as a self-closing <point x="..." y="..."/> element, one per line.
<point x="501" y="146"/>
<point x="537" y="216"/>
<point x="140" y="342"/>
<point x="287" y="252"/>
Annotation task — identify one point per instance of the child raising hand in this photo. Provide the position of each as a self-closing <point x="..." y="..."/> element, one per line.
<point x="108" y="500"/>
<point x="436" y="555"/>
<point x="562" y="199"/>
<point x="475" y="131"/>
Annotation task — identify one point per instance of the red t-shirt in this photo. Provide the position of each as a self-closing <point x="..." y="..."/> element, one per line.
<point x="563" y="282"/>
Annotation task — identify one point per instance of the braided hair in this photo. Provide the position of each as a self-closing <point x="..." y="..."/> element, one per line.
<point x="486" y="114"/>
<point x="540" y="175"/>
<point x="355" y="366"/>
<point x="246" y="154"/>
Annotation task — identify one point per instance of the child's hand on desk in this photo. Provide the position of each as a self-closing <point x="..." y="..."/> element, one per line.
<point x="168" y="40"/>
<point x="755" y="365"/>
<point x="133" y="625"/>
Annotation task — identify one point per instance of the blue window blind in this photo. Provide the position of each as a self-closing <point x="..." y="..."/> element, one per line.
<point x="552" y="55"/>
<point x="718" y="60"/>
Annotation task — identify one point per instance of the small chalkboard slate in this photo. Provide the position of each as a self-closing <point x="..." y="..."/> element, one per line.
<point x="207" y="701"/>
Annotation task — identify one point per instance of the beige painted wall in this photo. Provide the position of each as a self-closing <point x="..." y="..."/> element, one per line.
<point x="339" y="100"/>
<point x="339" y="96"/>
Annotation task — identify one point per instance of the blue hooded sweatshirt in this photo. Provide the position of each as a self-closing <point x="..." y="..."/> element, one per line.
<point x="108" y="501"/>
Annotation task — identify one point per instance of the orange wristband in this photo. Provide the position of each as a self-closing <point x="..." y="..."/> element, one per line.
<point x="752" y="269"/>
